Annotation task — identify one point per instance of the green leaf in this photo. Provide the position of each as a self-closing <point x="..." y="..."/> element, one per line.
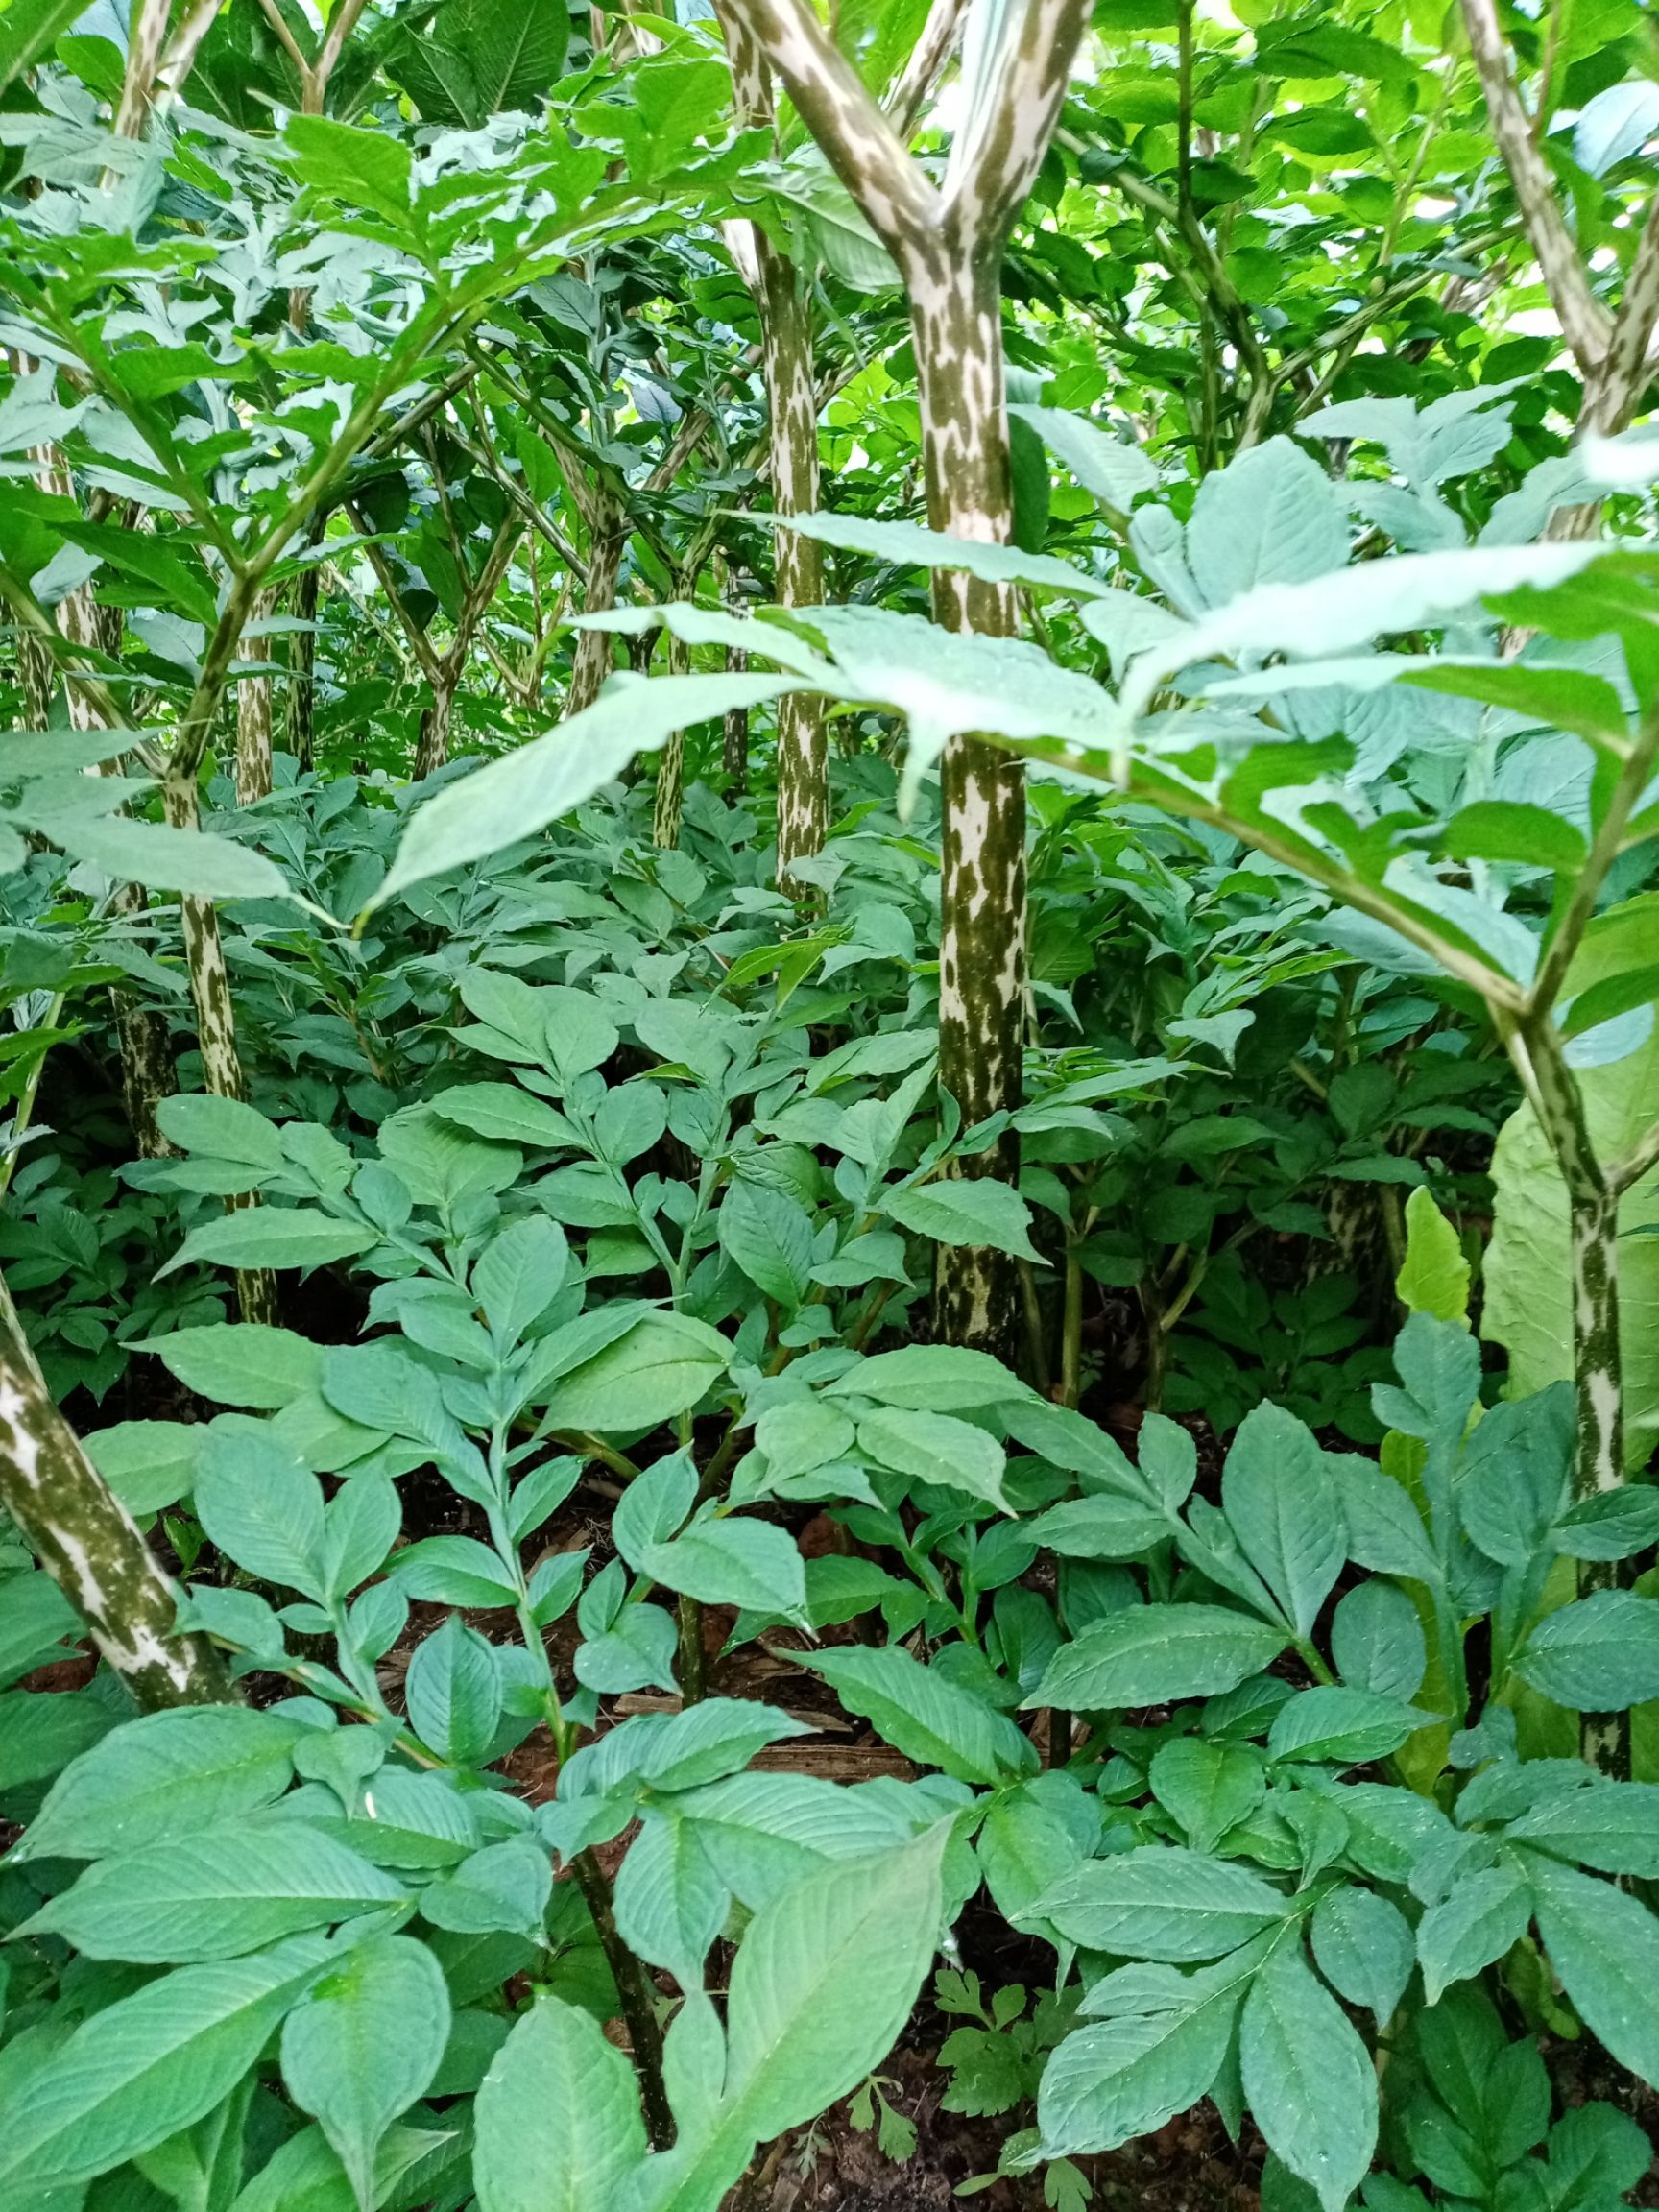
<point x="670" y="1903"/>
<point x="1308" y="2078"/>
<point x="1336" y="1727"/>
<point x="167" y="859"/>
<point x="506" y="1115"/>
<point x="1207" y="1788"/>
<point x="1613" y="1829"/>
<point x="1377" y="1641"/>
<point x="740" y="1562"/>
<point x="982" y="1213"/>
<point x="1164" y="1903"/>
<point x="363" y="2043"/>
<point x="659" y="1369"/>
<point x="1283" y="1505"/>
<point x="917" y="547"/>
<point x="513" y="798"/>
<point x="1605" y="1947"/>
<point x="223" y="1128"/>
<point x="1100" y="1528"/>
<point x="264" y="1237"/>
<point x="825" y="1981"/>
<point x="163" y="1775"/>
<point x="1115" y="471"/>
<point x="1364" y="1948"/>
<point x="1600" y="1655"/>
<point x="558" y="2119"/>
<point x="150" y="1465"/>
<point x="215" y="1895"/>
<point x="371" y="167"/>
<point x="769" y="1236"/>
<point x="1477" y="1921"/>
<point x="34" y="1622"/>
<point x="520" y="1273"/>
<point x="504" y="1889"/>
<point x="262" y="1508"/>
<point x="149" y="2066"/>
<point x="922" y="1714"/>
<point x="934" y="1379"/>
<point x="28" y="31"/>
<point x="241" y="1362"/>
<point x="1153" y="1654"/>
<point x="1434" y="1275"/>
<point x="453" y="1690"/>
<point x="936" y="1448"/>
<point x="453" y="1571"/>
<point x="1129" y="2075"/>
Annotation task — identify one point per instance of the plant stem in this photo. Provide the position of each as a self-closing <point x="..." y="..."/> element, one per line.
<point x="88" y="1543"/>
<point x="633" y="1988"/>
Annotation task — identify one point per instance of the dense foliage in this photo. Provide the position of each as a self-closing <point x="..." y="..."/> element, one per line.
<point x="829" y="948"/>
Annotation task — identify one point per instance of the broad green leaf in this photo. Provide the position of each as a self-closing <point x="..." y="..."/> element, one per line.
<point x="505" y="1114"/>
<point x="167" y="859"/>
<point x="149" y="2065"/>
<point x="936" y="1448"/>
<point x="1282" y="1503"/>
<point x="934" y="1379"/>
<point x="269" y="1236"/>
<point x="515" y="797"/>
<point x="1129" y="2075"/>
<point x="1207" y="1788"/>
<point x="504" y="1888"/>
<point x="1613" y="1829"/>
<point x="558" y="2116"/>
<point x="223" y="1128"/>
<point x="35" y="1619"/>
<point x="1433" y="1277"/>
<point x="1477" y="1921"/>
<point x="953" y="1211"/>
<point x="769" y="1236"/>
<point x="928" y="1716"/>
<point x="215" y="1895"/>
<point x="1100" y="1527"/>
<point x="1605" y="1947"/>
<point x="150" y="1465"/>
<point x="670" y="1902"/>
<point x="734" y="1561"/>
<point x="1307" y="2078"/>
<point x="1377" y="1641"/>
<point x="262" y="1508"/>
<point x="1336" y="1727"/>
<point x="1597" y="1655"/>
<point x="1153" y="1654"/>
<point x="1364" y="1948"/>
<point x="453" y="1690"/>
<point x="1115" y="472"/>
<point x="661" y="1368"/>
<point x="363" y="2043"/>
<point x="28" y="30"/>
<point x="825" y="1981"/>
<point x="241" y="1364"/>
<point x="1163" y="1903"/>
<point x="163" y="1775"/>
<point x="917" y="547"/>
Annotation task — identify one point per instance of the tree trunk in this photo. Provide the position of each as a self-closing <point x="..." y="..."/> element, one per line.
<point x="983" y="981"/>
<point x="216" y="1028"/>
<point x="432" y="750"/>
<point x="88" y="1543"/>
<point x="792" y="403"/>
<point x="142" y="1033"/>
<point x="301" y="669"/>
<point x="592" y="662"/>
<point x="253" y="761"/>
<point x="671" y="773"/>
<point x="734" y="735"/>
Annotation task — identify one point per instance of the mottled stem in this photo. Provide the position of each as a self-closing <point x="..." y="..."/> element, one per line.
<point x="592" y="662"/>
<point x="253" y="758"/>
<point x="671" y="772"/>
<point x="88" y="1543"/>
